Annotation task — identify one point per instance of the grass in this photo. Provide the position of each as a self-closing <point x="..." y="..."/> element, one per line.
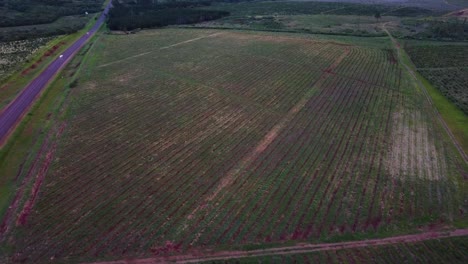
<point x="325" y="24"/>
<point x="460" y="3"/>
<point x="456" y="120"/>
<point x="12" y="85"/>
<point x="446" y="250"/>
<point x="62" y="26"/>
<point x="453" y="116"/>
<point x="159" y="119"/>
<point x="24" y="144"/>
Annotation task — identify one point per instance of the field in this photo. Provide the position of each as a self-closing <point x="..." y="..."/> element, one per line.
<point x="323" y="23"/>
<point x="459" y="3"/>
<point x="14" y="53"/>
<point x="184" y="139"/>
<point x="311" y="17"/>
<point x="62" y="26"/>
<point x="441" y="251"/>
<point x="314" y="8"/>
<point x="35" y="12"/>
<point x="446" y="67"/>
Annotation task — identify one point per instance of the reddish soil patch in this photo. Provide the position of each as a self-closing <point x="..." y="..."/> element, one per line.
<point x="38" y="182"/>
<point x="199" y="255"/>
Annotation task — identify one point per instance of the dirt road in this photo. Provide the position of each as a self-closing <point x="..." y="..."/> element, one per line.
<point x="297" y="249"/>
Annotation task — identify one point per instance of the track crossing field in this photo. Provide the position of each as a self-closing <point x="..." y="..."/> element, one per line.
<point x="181" y="139"/>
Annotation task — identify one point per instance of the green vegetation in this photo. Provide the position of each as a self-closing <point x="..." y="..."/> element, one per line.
<point x="357" y="19"/>
<point x="460" y="3"/>
<point x="32" y="19"/>
<point x="292" y="128"/>
<point x="425" y="55"/>
<point x="439" y="28"/>
<point x="455" y="118"/>
<point x="31" y="12"/>
<point x="452" y="83"/>
<point x="147" y="14"/>
<point x="313" y="8"/>
<point x="62" y="26"/>
<point x="446" y="250"/>
<point x="16" y="52"/>
<point x="315" y="24"/>
<point x="26" y="143"/>
<point x="254" y="138"/>
<point x="21" y="72"/>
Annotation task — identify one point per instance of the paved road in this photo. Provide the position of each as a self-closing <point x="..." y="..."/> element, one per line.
<point x="13" y="112"/>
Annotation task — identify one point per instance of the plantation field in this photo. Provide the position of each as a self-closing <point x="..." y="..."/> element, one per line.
<point x="62" y="26"/>
<point x="14" y="53"/>
<point x="311" y="17"/>
<point x="181" y="139"/>
<point x="446" y="67"/>
<point x="453" y="83"/>
<point x="438" y="56"/>
<point x="323" y="23"/>
<point x="317" y="7"/>
<point x="448" y="250"/>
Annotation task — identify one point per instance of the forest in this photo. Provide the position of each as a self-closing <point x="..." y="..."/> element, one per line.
<point x="146" y="14"/>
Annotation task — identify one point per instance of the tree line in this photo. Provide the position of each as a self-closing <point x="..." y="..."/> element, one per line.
<point x="149" y="13"/>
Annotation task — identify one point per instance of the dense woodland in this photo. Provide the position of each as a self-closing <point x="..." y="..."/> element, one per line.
<point x="32" y="12"/>
<point x="132" y="14"/>
<point x="145" y="14"/>
<point x="453" y="29"/>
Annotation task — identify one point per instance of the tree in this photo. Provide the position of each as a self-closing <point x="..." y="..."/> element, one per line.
<point x="377" y="15"/>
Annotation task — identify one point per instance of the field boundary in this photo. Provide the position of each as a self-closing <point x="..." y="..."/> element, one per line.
<point x="297" y="249"/>
<point x="457" y="144"/>
<point x="162" y="48"/>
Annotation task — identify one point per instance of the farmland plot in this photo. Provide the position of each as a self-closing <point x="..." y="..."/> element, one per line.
<point x="14" y="53"/>
<point x="448" y="250"/>
<point x="446" y="67"/>
<point x="182" y="139"/>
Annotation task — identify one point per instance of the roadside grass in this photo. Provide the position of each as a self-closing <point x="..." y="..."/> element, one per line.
<point x="12" y="85"/>
<point x="23" y="146"/>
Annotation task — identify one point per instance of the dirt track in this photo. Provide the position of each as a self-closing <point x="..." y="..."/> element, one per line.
<point x="297" y="249"/>
<point x="428" y="97"/>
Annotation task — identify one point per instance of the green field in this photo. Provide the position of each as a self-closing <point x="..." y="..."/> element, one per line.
<point x="445" y="65"/>
<point x="14" y="53"/>
<point x="323" y="23"/>
<point x="448" y="250"/>
<point x="310" y="17"/>
<point x="62" y="26"/>
<point x="184" y="139"/>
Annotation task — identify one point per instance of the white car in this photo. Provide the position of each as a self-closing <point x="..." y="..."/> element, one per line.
<point x="60" y="56"/>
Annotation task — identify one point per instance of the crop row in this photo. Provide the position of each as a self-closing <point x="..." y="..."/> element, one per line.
<point x="438" y="56"/>
<point x="147" y="149"/>
<point x="448" y="250"/>
<point x="452" y="83"/>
